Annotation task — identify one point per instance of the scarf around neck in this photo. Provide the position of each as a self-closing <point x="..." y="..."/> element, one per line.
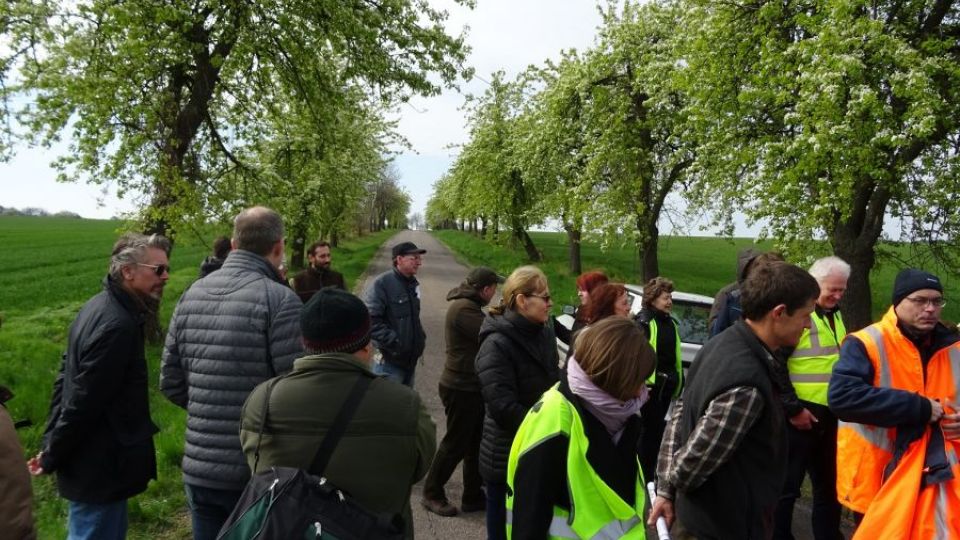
<point x="610" y="411"/>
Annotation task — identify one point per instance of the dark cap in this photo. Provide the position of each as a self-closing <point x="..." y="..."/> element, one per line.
<point x="482" y="276"/>
<point x="910" y="280"/>
<point x="334" y="320"/>
<point x="407" y="248"/>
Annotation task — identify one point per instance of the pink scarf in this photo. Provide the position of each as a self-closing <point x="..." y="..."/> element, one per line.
<point x="610" y="411"/>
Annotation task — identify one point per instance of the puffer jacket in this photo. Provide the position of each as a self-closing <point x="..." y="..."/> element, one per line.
<point x="516" y="364"/>
<point x="394" y="303"/>
<point x="230" y="331"/>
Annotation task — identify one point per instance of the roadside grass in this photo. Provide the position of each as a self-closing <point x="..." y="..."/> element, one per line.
<point x="48" y="268"/>
<point x="695" y="264"/>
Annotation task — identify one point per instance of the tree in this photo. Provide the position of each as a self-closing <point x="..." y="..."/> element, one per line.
<point x="158" y="96"/>
<point x="823" y="117"/>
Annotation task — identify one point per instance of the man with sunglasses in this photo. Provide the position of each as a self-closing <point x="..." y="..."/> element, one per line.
<point x="230" y="331"/>
<point x="393" y="299"/>
<point x="99" y="435"/>
<point x="894" y="389"/>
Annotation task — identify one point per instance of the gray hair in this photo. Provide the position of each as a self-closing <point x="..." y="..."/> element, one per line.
<point x="257" y="229"/>
<point x="131" y="248"/>
<point x="821" y="268"/>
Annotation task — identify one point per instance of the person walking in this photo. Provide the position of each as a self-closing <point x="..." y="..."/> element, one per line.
<point x="666" y="381"/>
<point x="894" y="390"/>
<point x="388" y="443"/>
<point x="812" y="428"/>
<point x="318" y="273"/>
<point x="724" y="454"/>
<point x="517" y="362"/>
<point x="99" y="434"/>
<point x="459" y="391"/>
<point x="573" y="470"/>
<point x="393" y="299"/>
<point x="229" y="332"/>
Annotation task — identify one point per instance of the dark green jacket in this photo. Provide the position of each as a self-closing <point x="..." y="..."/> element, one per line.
<point x="387" y="447"/>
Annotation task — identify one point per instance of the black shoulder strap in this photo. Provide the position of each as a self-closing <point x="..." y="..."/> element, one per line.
<point x="263" y="421"/>
<point x="339" y="426"/>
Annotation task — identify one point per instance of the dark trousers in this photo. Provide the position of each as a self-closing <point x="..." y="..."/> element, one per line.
<point x="812" y="451"/>
<point x="496" y="511"/>
<point x="464" y="411"/>
<point x="653" y="415"/>
<point x="209" y="509"/>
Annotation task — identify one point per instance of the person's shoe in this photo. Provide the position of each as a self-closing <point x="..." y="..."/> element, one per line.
<point x="478" y="506"/>
<point x="440" y="508"/>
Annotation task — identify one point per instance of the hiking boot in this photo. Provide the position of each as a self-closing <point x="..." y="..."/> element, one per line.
<point x="440" y="508"/>
<point x="478" y="506"/>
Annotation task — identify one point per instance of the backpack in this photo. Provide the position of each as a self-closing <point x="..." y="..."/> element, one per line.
<point x="290" y="503"/>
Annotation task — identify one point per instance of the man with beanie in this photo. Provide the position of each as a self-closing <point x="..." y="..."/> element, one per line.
<point x="389" y="442"/>
<point x="894" y="390"/>
<point x="230" y="331"/>
<point x="393" y="299"/>
<point x="459" y="390"/>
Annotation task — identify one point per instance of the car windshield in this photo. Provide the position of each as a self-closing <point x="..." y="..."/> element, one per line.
<point x="692" y="321"/>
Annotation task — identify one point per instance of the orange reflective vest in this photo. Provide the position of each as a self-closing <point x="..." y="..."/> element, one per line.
<point x="898" y="507"/>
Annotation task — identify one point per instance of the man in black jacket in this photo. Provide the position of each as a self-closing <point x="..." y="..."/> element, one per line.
<point x="318" y="274"/>
<point x="393" y="299"/>
<point x="99" y="435"/>
<point x="724" y="453"/>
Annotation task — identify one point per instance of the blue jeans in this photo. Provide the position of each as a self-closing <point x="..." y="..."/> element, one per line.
<point x="209" y="509"/>
<point x="88" y="521"/>
<point x="394" y="372"/>
<point x="496" y="510"/>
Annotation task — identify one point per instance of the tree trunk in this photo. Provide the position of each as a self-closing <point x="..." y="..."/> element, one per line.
<point x="649" y="261"/>
<point x="533" y="254"/>
<point x="334" y="238"/>
<point x="483" y="227"/>
<point x="298" y="244"/>
<point x="573" y="239"/>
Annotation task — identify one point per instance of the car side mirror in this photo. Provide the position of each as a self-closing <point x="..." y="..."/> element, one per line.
<point x="568" y="310"/>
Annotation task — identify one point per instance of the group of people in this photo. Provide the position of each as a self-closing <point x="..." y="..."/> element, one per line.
<point x="550" y="447"/>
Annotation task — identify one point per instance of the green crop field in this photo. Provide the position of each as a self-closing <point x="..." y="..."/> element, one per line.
<point x="48" y="268"/>
<point x="695" y="264"/>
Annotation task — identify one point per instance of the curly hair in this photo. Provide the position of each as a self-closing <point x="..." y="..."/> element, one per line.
<point x="654" y="288"/>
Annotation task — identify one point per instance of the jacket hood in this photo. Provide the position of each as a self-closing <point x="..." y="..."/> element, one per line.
<point x="525" y="334"/>
<point x="464" y="290"/>
<point x="744" y="258"/>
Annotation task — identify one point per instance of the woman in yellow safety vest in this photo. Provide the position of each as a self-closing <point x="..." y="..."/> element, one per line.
<point x="574" y="469"/>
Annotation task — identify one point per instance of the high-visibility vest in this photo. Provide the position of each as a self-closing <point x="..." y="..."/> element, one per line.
<point x="863" y="451"/>
<point x="652" y="379"/>
<point x="812" y="361"/>
<point x="596" y="511"/>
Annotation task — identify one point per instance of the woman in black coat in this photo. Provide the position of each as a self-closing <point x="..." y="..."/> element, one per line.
<point x="516" y="364"/>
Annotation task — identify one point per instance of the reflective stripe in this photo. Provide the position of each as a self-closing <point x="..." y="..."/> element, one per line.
<point x="810" y="377"/>
<point x="817" y="351"/>
<point x="616" y="529"/>
<point x="886" y="379"/>
<point x="952" y="456"/>
<point x="559" y="528"/>
<point x="942" y="530"/>
<point x="955" y="370"/>
<point x="877" y="436"/>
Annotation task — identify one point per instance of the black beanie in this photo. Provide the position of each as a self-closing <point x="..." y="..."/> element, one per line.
<point x="910" y="280"/>
<point x="334" y="320"/>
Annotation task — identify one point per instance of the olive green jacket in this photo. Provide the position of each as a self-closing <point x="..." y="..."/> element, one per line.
<point x="386" y="448"/>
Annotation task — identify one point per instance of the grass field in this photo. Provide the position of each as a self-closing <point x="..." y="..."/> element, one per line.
<point x="695" y="264"/>
<point x="48" y="268"/>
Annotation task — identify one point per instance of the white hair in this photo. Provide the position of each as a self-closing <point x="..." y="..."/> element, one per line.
<point x="821" y="268"/>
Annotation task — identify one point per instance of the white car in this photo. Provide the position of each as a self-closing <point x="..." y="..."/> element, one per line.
<point x="691" y="312"/>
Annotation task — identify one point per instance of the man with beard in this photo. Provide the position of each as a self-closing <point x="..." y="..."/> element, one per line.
<point x="99" y="435"/>
<point x="318" y="274"/>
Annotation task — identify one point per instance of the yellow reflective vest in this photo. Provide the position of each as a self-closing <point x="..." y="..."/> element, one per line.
<point x="812" y="361"/>
<point x="652" y="379"/>
<point x="596" y="510"/>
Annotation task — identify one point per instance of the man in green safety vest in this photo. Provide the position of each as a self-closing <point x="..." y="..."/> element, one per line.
<point x="812" y="429"/>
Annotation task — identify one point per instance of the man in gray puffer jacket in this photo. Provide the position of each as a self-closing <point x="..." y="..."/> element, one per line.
<point x="230" y="331"/>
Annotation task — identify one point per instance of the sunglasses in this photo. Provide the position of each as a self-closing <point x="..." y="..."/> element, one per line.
<point x="158" y="269"/>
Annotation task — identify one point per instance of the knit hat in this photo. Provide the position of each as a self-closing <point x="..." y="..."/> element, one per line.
<point x="910" y="280"/>
<point x="334" y="320"/>
<point x="407" y="248"/>
<point x="482" y="276"/>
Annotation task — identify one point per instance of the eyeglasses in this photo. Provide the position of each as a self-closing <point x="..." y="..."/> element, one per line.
<point x="544" y="297"/>
<point x="922" y="302"/>
<point x="158" y="269"/>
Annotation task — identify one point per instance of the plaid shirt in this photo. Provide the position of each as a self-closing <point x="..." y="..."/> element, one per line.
<point x="717" y="434"/>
